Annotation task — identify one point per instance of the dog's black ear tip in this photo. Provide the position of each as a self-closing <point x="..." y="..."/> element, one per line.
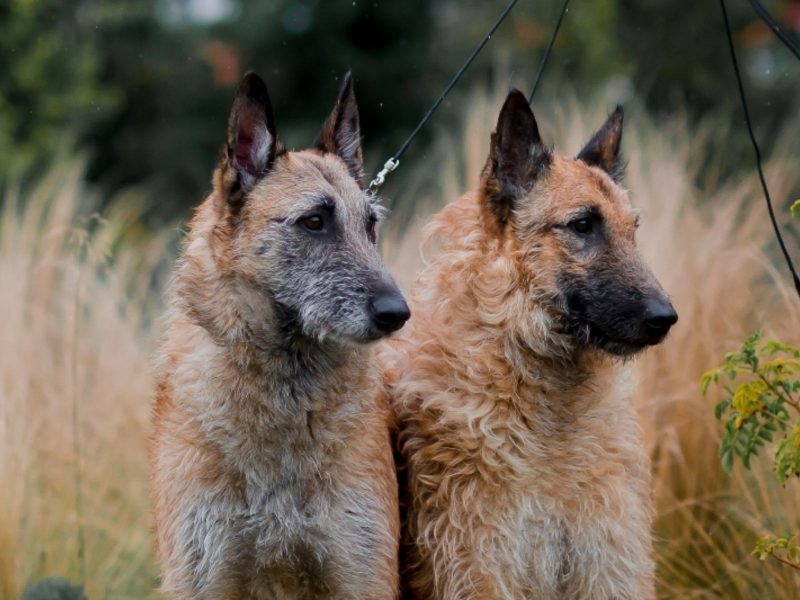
<point x="517" y="116"/>
<point x="346" y="89"/>
<point x="619" y="113"/>
<point x="515" y="99"/>
<point x="254" y="87"/>
<point x="515" y="109"/>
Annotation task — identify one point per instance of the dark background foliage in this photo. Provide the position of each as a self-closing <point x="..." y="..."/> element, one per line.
<point x="143" y="86"/>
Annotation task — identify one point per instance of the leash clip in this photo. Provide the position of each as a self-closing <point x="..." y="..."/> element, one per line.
<point x="389" y="166"/>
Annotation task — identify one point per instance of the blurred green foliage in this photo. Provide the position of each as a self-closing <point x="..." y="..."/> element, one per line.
<point x="145" y="85"/>
<point x="757" y="409"/>
<point x="51" y="84"/>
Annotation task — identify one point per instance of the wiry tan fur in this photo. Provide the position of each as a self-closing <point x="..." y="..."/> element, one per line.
<point x="273" y="475"/>
<point x="525" y="473"/>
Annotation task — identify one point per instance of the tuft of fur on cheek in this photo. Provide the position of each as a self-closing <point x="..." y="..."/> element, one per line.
<point x="494" y="285"/>
<point x="539" y="302"/>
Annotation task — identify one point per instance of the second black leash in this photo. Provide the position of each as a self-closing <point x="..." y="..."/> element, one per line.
<point x="391" y="164"/>
<point x="547" y="51"/>
<point x="759" y="166"/>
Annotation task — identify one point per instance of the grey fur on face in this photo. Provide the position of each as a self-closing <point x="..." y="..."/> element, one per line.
<point x="325" y="280"/>
<point x="312" y="223"/>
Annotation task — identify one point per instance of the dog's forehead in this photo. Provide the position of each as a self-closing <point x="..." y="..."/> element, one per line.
<point x="330" y="170"/>
<point x="573" y="185"/>
<point x="301" y="179"/>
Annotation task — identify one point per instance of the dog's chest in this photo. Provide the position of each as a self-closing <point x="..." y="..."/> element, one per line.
<point x="565" y="492"/>
<point x="304" y="537"/>
<point x="286" y="431"/>
<point x="295" y="518"/>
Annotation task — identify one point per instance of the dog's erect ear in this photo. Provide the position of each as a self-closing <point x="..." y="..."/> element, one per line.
<point x="252" y="141"/>
<point x="341" y="134"/>
<point x="603" y="149"/>
<point x="517" y="157"/>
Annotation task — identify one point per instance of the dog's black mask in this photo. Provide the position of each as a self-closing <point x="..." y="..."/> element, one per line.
<point x="605" y="311"/>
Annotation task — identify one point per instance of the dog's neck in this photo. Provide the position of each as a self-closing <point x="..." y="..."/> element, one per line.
<point x="558" y="370"/>
<point x="272" y="343"/>
<point x="291" y="353"/>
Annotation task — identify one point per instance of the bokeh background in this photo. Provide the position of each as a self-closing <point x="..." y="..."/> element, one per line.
<point x="142" y="87"/>
<point x="112" y="116"/>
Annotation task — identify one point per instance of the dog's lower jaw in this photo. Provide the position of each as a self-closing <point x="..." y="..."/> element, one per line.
<point x="616" y="348"/>
<point x="587" y="334"/>
<point x="360" y="340"/>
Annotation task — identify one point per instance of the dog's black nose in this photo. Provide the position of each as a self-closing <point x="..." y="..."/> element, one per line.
<point x="659" y="316"/>
<point x="389" y="310"/>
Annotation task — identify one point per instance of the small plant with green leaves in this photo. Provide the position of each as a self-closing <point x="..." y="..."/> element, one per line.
<point x="784" y="549"/>
<point x="761" y="406"/>
<point x="766" y="375"/>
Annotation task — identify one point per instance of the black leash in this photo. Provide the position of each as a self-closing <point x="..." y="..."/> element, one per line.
<point x="790" y="43"/>
<point x="756" y="148"/>
<point x="547" y="51"/>
<point x="394" y="161"/>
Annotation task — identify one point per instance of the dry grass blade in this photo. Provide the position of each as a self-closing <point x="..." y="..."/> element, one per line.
<point x="73" y="338"/>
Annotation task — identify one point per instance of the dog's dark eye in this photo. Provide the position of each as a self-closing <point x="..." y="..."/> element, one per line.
<point x="581" y="226"/>
<point x="312" y="223"/>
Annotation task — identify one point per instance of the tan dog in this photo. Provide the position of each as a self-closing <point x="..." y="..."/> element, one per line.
<point x="272" y="468"/>
<point x="526" y="476"/>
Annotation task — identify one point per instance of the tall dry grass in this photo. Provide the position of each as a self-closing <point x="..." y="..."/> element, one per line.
<point x="77" y="294"/>
<point x="75" y="389"/>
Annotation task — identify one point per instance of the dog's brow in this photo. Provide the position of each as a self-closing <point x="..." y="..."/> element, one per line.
<point x="310" y="201"/>
<point x="320" y="166"/>
<point x="591" y="210"/>
<point x="601" y="182"/>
